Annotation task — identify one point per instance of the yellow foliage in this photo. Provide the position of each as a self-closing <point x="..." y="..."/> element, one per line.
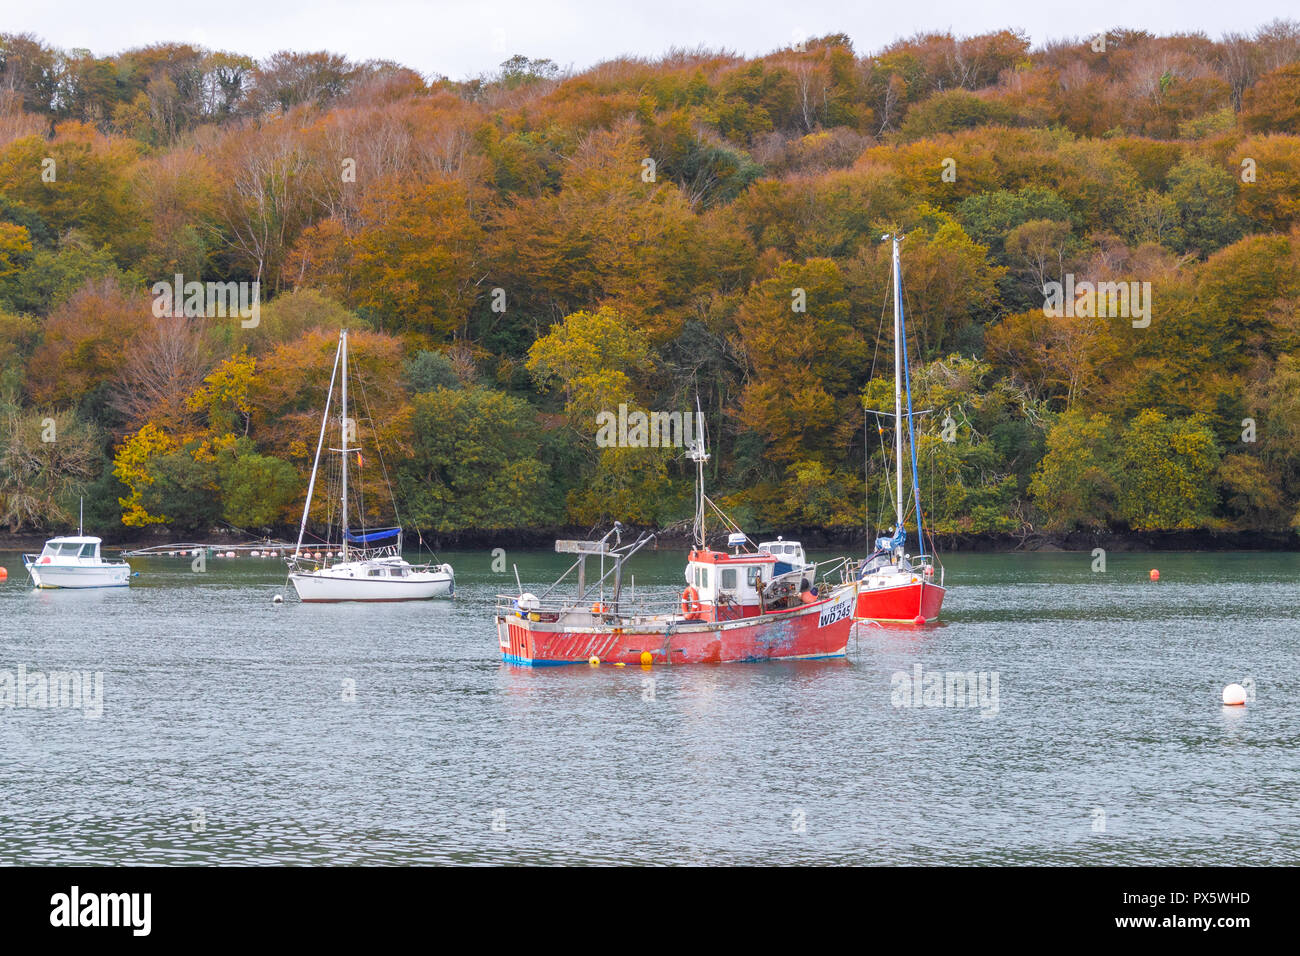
<point x="131" y="467"/>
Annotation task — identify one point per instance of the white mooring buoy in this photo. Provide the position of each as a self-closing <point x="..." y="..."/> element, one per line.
<point x="1234" y="695"/>
<point x="278" y="599"/>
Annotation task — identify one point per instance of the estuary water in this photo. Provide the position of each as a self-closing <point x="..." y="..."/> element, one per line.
<point x="236" y="731"/>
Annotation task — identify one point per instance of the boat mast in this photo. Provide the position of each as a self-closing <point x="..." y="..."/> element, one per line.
<point x="699" y="456"/>
<point x="343" y="346"/>
<point x="320" y="444"/>
<point x="898" y="383"/>
<point x="81" y="517"/>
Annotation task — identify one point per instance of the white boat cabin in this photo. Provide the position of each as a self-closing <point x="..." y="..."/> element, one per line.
<point x="787" y="553"/>
<point x="71" y="550"/>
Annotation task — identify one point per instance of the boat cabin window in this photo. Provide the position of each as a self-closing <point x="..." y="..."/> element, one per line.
<point x="376" y="572"/>
<point x="702" y="578"/>
<point x="752" y="574"/>
<point x="68" y="549"/>
<point x="727" y="579"/>
<point x="88" y="550"/>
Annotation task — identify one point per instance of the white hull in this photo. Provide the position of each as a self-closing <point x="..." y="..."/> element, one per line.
<point x="333" y="584"/>
<point x="104" y="576"/>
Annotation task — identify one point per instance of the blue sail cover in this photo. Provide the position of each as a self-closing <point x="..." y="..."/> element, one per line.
<point x="370" y="537"/>
<point x="889" y="544"/>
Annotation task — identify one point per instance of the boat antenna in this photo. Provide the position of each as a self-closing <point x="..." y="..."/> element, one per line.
<point x="699" y="454"/>
<point x="81" y="517"/>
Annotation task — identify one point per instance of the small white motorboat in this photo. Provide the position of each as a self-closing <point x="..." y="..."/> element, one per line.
<point x="75" y="562"/>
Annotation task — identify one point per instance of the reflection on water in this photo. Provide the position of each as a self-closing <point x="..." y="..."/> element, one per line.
<point x="239" y="731"/>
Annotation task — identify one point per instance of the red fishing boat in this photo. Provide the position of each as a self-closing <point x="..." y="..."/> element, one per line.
<point x="741" y="603"/>
<point x="893" y="586"/>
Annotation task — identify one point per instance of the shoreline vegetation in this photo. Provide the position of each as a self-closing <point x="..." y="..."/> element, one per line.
<point x="813" y="539"/>
<point x="1102" y="285"/>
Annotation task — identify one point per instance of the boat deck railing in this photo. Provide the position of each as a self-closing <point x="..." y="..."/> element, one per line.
<point x="307" y="559"/>
<point x="593" y="612"/>
<point x="922" y="563"/>
<point x="71" y="560"/>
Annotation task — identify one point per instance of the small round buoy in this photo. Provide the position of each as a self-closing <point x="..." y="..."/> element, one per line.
<point x="278" y="599"/>
<point x="1155" y="575"/>
<point x="1234" y="695"/>
<point x="230" y="554"/>
<point x="919" y="619"/>
<point x="4" y="575"/>
<point x="594" y="661"/>
<point x="646" y="657"/>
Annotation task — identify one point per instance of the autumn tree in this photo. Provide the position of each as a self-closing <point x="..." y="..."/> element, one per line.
<point x="1167" y="468"/>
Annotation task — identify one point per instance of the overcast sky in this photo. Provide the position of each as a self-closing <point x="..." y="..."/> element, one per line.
<point x="464" y="39"/>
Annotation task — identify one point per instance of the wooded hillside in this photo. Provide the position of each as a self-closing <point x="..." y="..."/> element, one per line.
<point x="520" y="252"/>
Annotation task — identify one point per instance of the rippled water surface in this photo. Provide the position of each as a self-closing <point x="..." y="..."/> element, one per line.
<point x="226" y="736"/>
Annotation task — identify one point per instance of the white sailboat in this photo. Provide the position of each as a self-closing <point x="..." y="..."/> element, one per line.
<point x="370" y="566"/>
<point x="75" y="562"/>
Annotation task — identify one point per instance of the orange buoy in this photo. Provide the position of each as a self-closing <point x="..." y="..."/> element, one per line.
<point x="598" y="608"/>
<point x="1155" y="575"/>
<point x="4" y="575"/>
<point x="919" y="619"/>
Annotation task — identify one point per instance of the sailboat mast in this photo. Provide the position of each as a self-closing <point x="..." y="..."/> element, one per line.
<point x="320" y="443"/>
<point x="345" y="443"/>
<point x="898" y="382"/>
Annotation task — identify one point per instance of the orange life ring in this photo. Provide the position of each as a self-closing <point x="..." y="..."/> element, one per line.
<point x="691" y="601"/>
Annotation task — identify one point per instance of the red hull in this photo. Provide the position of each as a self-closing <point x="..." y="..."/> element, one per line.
<point x="901" y="604"/>
<point x="815" y="630"/>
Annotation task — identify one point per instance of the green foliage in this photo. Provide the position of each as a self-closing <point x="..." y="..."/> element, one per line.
<point x="256" y="490"/>
<point x="185" y="489"/>
<point x="473" y="464"/>
<point x="952" y="110"/>
<point x="54" y="275"/>
<point x="988" y="217"/>
<point x="1204" y="195"/>
<point x="427" y="370"/>
<point x="1167" y="468"/>
<point x="974" y="449"/>
<point x="1076" y="483"/>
